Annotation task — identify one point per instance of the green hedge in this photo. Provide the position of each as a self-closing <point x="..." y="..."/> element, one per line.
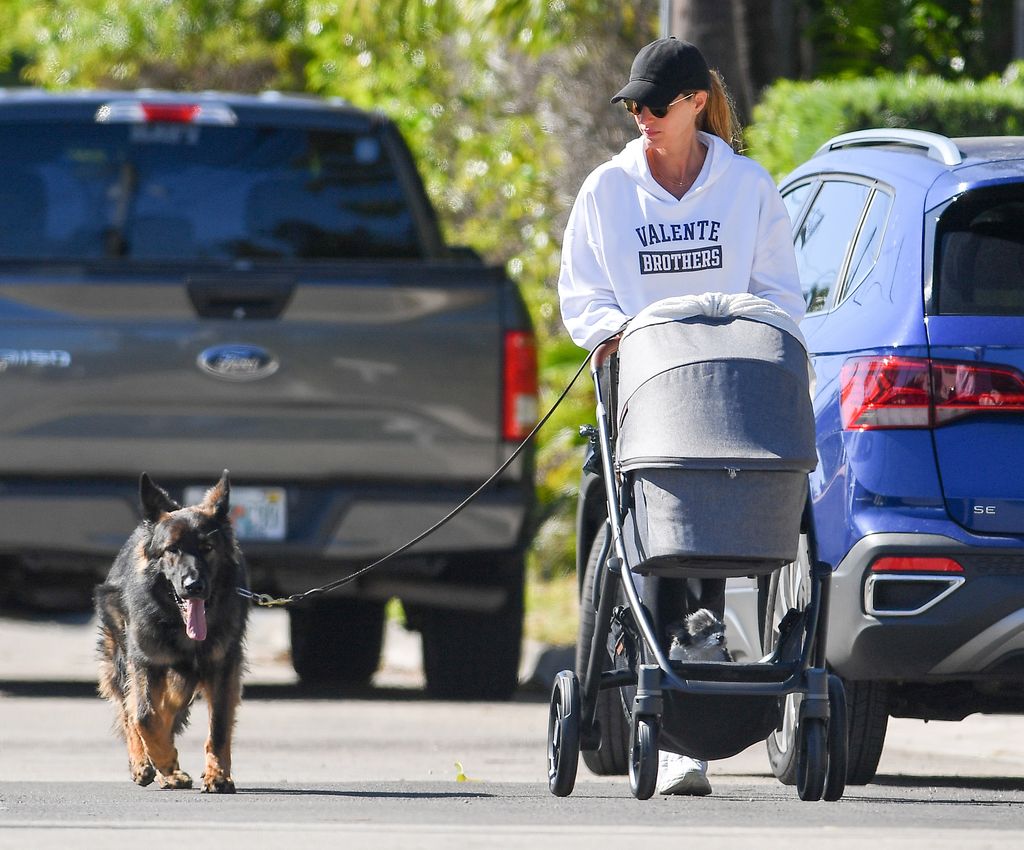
<point x="794" y="119"/>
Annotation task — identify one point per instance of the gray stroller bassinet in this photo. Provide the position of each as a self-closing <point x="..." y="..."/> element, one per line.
<point x="715" y="440"/>
<point x="707" y="480"/>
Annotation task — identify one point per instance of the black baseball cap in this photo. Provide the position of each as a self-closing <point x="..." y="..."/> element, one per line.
<point x="662" y="70"/>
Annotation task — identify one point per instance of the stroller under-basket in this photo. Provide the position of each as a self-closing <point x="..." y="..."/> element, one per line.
<point x="706" y="478"/>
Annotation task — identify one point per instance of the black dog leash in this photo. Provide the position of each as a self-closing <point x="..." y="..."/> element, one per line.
<point x="267" y="601"/>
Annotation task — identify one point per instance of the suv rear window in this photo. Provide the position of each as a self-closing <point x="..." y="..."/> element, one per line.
<point x="980" y="255"/>
<point x="177" y="191"/>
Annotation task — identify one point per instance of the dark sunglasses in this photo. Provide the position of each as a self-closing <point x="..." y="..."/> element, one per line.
<point x="634" y="107"/>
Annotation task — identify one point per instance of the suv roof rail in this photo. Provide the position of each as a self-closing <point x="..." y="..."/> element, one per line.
<point x="936" y="147"/>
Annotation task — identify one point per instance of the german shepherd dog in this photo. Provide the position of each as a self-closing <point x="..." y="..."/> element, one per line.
<point x="172" y="624"/>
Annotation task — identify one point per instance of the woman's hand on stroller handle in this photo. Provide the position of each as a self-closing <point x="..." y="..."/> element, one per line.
<point x="605" y="350"/>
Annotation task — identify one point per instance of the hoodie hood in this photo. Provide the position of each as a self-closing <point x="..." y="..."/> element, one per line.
<point x="632" y="161"/>
<point x="629" y="242"/>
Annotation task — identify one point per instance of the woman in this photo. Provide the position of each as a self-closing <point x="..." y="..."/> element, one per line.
<point x="676" y="212"/>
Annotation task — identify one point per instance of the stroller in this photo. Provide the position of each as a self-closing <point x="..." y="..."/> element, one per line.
<point x="704" y="478"/>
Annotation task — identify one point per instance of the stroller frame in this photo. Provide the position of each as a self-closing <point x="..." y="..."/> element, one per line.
<point x="821" y="740"/>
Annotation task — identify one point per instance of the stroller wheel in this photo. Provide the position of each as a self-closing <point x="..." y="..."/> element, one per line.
<point x="643" y="757"/>
<point x="838" y="752"/>
<point x="564" y="734"/>
<point x="812" y="759"/>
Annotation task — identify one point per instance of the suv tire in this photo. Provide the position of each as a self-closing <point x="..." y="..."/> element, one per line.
<point x="868" y="719"/>
<point x="788" y="588"/>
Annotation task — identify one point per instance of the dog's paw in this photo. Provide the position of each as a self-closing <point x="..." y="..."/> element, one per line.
<point x="143" y="774"/>
<point x="177" y="779"/>
<point x="218" y="783"/>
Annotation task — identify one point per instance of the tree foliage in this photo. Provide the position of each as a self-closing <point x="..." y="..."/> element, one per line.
<point x="179" y="44"/>
<point x="956" y="39"/>
<point x="795" y="118"/>
<point x="503" y="102"/>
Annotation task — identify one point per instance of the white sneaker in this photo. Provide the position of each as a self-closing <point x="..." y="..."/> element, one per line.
<point x="682" y="775"/>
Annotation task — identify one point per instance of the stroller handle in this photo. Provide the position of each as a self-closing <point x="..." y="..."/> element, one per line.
<point x="603" y="351"/>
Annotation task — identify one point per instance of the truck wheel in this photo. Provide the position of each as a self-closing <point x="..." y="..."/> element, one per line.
<point x="867" y="705"/>
<point x="337" y="641"/>
<point x="474" y="655"/>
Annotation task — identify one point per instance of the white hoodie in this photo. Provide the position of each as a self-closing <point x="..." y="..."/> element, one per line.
<point x="630" y="243"/>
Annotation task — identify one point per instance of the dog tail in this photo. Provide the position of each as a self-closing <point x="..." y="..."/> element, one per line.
<point x="110" y="643"/>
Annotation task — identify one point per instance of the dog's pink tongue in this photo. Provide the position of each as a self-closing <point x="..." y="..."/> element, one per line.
<point x="195" y="619"/>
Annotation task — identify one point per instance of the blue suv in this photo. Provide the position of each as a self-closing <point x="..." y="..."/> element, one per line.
<point x="910" y="247"/>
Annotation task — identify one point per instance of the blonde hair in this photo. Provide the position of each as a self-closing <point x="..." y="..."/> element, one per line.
<point x="719" y="115"/>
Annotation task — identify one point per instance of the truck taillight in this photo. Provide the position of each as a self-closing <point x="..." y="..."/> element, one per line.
<point x="150" y="112"/>
<point x="917" y="392"/>
<point x="173" y="113"/>
<point x="520" y="385"/>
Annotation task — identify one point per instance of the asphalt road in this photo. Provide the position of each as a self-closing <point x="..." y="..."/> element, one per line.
<point x="382" y="769"/>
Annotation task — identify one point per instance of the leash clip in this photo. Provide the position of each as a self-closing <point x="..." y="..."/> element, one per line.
<point x="264" y="600"/>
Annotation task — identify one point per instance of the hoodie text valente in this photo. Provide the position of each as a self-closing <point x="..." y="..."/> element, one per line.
<point x="629" y="243"/>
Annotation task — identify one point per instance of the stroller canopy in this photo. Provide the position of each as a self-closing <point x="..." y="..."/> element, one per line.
<point x="714" y="381"/>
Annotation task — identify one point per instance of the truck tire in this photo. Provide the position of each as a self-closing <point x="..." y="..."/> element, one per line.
<point x="868" y="719"/>
<point x="337" y="641"/>
<point x="474" y="655"/>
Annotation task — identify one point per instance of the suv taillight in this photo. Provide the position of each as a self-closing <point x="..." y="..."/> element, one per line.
<point x="917" y="392"/>
<point x="520" y="385"/>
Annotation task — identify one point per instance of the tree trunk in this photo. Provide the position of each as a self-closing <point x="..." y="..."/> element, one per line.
<point x="750" y="43"/>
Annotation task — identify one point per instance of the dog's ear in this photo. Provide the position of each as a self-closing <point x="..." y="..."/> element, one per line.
<point x="155" y="500"/>
<point x="218" y="497"/>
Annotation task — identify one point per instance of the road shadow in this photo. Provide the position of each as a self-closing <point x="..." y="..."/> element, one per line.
<point x="33" y="614"/>
<point x="976" y="783"/>
<point x="368" y="693"/>
<point x="370" y="795"/>
<point x="47" y="689"/>
<point x="258" y="692"/>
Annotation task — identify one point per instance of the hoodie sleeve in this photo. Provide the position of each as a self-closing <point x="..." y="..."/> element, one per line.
<point x="590" y="311"/>
<point x="774" y="275"/>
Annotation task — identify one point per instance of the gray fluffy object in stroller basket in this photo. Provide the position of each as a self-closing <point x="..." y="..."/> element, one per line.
<point x="701" y="637"/>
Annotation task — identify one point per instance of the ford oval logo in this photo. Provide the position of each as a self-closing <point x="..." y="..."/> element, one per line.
<point x="237" y="362"/>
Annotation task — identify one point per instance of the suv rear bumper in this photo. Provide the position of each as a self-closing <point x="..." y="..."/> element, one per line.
<point x="952" y="629"/>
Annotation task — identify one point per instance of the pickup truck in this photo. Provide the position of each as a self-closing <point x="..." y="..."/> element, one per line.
<point x="194" y="282"/>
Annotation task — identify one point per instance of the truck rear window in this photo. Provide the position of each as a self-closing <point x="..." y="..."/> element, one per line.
<point x="178" y="191"/>
<point x="980" y="254"/>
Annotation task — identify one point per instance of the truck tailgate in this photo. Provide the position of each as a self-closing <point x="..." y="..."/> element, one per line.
<point x="348" y="372"/>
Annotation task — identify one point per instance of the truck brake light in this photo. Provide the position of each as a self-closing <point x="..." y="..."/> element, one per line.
<point x="520" y="385"/>
<point x="149" y="112"/>
<point x="171" y="113"/>
<point x="917" y="392"/>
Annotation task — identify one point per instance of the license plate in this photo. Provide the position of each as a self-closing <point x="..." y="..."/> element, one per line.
<point x="257" y="513"/>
